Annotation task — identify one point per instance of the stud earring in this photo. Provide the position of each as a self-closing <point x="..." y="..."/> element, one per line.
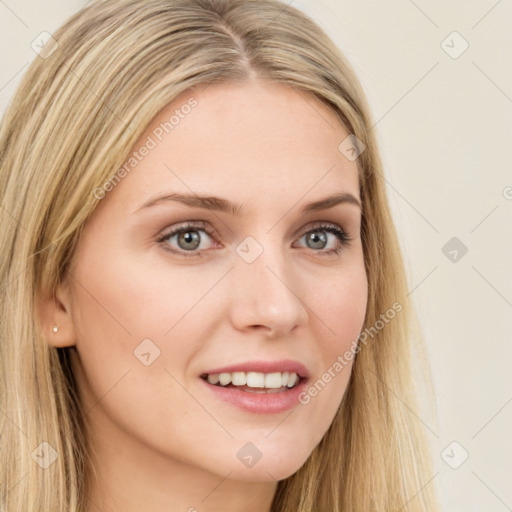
<point x="55" y="328"/>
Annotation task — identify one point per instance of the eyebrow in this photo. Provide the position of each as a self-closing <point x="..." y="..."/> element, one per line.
<point x="223" y="205"/>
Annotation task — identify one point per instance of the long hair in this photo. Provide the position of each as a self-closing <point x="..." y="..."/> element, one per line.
<point x="81" y="106"/>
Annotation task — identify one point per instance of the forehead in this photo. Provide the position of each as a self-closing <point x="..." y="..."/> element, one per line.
<point x="244" y="141"/>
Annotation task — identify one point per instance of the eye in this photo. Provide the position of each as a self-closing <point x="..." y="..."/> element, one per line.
<point x="189" y="239"/>
<point x="317" y="238"/>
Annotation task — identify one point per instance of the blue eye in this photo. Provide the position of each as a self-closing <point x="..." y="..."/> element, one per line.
<point x="189" y="239"/>
<point x="317" y="236"/>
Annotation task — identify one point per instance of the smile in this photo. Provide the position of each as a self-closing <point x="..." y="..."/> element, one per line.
<point x="255" y="382"/>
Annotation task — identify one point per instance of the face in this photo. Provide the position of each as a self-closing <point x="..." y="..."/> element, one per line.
<point x="169" y="300"/>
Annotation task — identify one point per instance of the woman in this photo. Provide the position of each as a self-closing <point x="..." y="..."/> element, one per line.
<point x="204" y="304"/>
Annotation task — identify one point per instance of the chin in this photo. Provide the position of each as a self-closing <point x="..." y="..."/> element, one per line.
<point x="275" y="463"/>
<point x="265" y="472"/>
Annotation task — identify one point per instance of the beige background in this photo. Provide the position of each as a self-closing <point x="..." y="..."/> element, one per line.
<point x="443" y="121"/>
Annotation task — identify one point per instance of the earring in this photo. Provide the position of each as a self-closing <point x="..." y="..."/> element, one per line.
<point x="55" y="328"/>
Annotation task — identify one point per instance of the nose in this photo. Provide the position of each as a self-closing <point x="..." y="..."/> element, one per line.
<point x="266" y="296"/>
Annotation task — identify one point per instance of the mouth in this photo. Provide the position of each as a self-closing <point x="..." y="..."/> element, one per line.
<point x="255" y="382"/>
<point x="259" y="387"/>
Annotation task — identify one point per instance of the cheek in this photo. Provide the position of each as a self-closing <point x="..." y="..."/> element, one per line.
<point x="341" y="307"/>
<point x="129" y="370"/>
<point x="121" y="313"/>
<point x="340" y="313"/>
<point x="138" y="328"/>
<point x="134" y="299"/>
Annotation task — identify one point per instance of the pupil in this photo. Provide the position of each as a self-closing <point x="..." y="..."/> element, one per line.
<point x="315" y="237"/>
<point x="190" y="237"/>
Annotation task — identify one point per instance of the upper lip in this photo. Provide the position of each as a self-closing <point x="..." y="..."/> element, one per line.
<point x="284" y="365"/>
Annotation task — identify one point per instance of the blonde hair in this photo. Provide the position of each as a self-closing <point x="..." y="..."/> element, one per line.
<point x="73" y="120"/>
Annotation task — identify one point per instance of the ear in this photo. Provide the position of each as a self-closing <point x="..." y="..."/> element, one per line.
<point x="56" y="311"/>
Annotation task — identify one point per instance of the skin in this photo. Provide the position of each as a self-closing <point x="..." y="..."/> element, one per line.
<point x="158" y="440"/>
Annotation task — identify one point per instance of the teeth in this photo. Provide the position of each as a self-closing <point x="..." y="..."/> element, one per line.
<point x="239" y="379"/>
<point x="292" y="380"/>
<point x="213" y="378"/>
<point x="255" y="379"/>
<point x="225" y="378"/>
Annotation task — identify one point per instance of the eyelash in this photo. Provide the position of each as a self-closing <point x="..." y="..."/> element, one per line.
<point x="343" y="238"/>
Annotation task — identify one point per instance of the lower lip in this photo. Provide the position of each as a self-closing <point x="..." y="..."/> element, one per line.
<point x="259" y="403"/>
